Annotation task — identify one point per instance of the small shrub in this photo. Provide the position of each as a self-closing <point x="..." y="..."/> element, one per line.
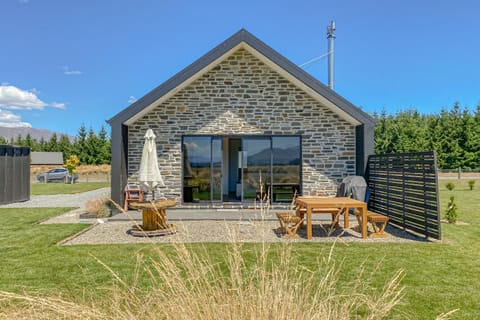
<point x="450" y="186"/>
<point x="471" y="184"/>
<point x="451" y="214"/>
<point x="98" y="207"/>
<point x="71" y="165"/>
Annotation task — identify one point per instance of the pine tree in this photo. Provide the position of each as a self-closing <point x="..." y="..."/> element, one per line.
<point x="79" y="145"/>
<point x="474" y="142"/>
<point x="454" y="134"/>
<point x="52" y="144"/>
<point x="65" y="146"/>
<point x="41" y="144"/>
<point x="93" y="147"/>
<point x="383" y="134"/>
<point x="18" y="141"/>
<point x="28" y="142"/>
<point x="104" y="153"/>
<point x="434" y="131"/>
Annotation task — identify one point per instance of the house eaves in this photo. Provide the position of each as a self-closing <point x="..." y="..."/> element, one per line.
<point x="244" y="39"/>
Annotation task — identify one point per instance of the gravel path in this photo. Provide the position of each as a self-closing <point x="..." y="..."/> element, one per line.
<point x="202" y="228"/>
<point x="76" y="200"/>
<point x="60" y="200"/>
<point x="227" y="231"/>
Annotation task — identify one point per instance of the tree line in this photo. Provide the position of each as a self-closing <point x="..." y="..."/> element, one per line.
<point x="454" y="134"/>
<point x="90" y="147"/>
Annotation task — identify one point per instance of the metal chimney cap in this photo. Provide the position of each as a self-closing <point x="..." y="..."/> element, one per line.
<point x="331" y="29"/>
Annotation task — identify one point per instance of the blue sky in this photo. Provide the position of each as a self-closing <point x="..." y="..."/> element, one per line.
<point x="67" y="63"/>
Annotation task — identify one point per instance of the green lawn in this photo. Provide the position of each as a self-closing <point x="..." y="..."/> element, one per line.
<point x="439" y="277"/>
<point x="65" y="188"/>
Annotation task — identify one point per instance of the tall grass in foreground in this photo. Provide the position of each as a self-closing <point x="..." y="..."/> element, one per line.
<point x="258" y="282"/>
<point x="190" y="285"/>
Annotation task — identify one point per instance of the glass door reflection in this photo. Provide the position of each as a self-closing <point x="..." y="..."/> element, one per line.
<point x="216" y="169"/>
<point x="256" y="167"/>
<point x="286" y="168"/>
<point x="251" y="167"/>
<point x="196" y="168"/>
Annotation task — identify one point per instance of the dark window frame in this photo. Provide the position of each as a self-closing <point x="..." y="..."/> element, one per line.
<point x="242" y="136"/>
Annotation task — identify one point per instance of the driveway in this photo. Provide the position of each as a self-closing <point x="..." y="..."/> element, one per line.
<point x="77" y="201"/>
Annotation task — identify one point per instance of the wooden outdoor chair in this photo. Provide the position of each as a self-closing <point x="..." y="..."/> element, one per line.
<point x="133" y="193"/>
<point x="290" y="222"/>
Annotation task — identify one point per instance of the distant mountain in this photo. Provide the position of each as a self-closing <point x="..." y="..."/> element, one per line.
<point x="37" y="134"/>
<point x="289" y="156"/>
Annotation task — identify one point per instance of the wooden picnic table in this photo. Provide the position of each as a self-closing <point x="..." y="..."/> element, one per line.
<point x="311" y="203"/>
<point x="154" y="214"/>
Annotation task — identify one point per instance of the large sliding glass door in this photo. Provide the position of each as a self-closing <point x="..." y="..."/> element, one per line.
<point x="256" y="166"/>
<point x="286" y="168"/>
<point x="202" y="169"/>
<point x="271" y="164"/>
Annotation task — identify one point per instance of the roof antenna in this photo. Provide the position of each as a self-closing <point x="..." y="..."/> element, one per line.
<point x="331" y="41"/>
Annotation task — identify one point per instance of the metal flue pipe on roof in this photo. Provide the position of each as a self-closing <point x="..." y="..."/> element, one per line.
<point x="331" y="42"/>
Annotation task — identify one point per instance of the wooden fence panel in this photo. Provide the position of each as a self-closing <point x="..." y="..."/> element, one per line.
<point x="404" y="187"/>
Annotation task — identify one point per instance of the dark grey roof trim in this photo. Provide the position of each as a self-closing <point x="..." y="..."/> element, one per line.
<point x="242" y="36"/>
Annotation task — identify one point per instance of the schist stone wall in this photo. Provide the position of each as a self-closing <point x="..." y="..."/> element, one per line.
<point x="242" y="95"/>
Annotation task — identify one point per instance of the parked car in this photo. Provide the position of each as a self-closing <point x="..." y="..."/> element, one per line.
<point x="57" y="174"/>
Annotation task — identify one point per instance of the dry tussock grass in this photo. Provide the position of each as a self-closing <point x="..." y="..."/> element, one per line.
<point x="103" y="169"/>
<point x="91" y="171"/>
<point x="190" y="285"/>
<point x="98" y="207"/>
<point x="82" y="169"/>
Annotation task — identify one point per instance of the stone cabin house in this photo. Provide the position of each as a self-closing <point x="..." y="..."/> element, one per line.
<point x="240" y="123"/>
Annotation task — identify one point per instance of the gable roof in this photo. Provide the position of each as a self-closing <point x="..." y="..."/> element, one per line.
<point x="244" y="39"/>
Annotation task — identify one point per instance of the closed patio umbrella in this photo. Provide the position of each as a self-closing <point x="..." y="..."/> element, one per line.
<point x="149" y="174"/>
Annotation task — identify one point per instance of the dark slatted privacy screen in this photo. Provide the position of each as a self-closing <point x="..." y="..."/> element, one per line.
<point x="404" y="187"/>
<point x="14" y="174"/>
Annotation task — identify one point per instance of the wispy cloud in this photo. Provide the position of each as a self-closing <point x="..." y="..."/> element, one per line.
<point x="132" y="99"/>
<point x="69" y="72"/>
<point x="58" y="105"/>
<point x="15" y="98"/>
<point x="11" y="120"/>
<point x="23" y="1"/>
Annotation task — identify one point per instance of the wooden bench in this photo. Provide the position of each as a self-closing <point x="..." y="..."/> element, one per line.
<point x="378" y="222"/>
<point x="335" y="213"/>
<point x="289" y="224"/>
